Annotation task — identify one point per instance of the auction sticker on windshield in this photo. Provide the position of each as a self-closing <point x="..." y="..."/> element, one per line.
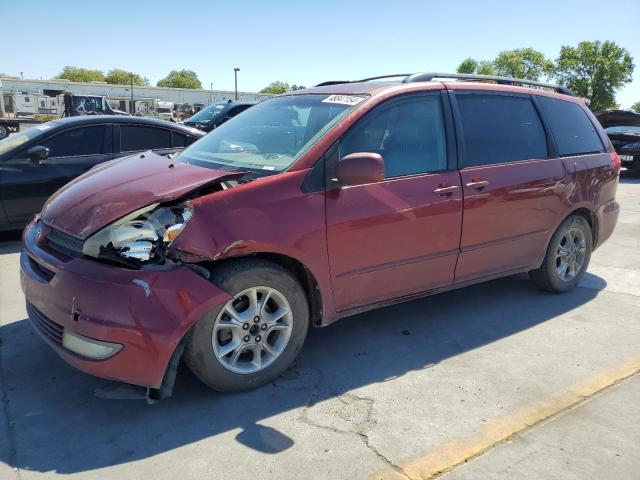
<point x="343" y="99"/>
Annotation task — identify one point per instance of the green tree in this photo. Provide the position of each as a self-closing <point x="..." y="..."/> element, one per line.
<point x="122" y="77"/>
<point x="468" y="65"/>
<point x="76" y="74"/>
<point x="276" y="88"/>
<point x="297" y="87"/>
<point x="636" y="107"/>
<point x="485" y="67"/>
<point x="180" y="79"/>
<point x="595" y="70"/>
<point x="524" y="63"/>
<point x="471" y="66"/>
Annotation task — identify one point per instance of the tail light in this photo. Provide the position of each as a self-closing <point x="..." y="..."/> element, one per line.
<point x="615" y="160"/>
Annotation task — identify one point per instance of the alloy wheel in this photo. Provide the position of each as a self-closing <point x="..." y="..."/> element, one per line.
<point x="570" y="254"/>
<point x="252" y="330"/>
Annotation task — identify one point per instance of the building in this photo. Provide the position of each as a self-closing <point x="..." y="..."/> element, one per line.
<point x="123" y="94"/>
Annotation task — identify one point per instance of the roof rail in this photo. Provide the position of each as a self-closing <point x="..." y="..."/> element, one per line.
<point x="332" y="82"/>
<point x="467" y="77"/>
<point x="338" y="82"/>
<point x="379" y="77"/>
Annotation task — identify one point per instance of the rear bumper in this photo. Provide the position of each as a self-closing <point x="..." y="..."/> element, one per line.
<point x="147" y="312"/>
<point x="607" y="217"/>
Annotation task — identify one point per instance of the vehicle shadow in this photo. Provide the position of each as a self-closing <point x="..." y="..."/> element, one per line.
<point x="61" y="427"/>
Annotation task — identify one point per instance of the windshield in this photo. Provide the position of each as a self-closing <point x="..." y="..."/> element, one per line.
<point x="207" y="114"/>
<point x="19" y="138"/>
<point x="623" y="130"/>
<point x="271" y="135"/>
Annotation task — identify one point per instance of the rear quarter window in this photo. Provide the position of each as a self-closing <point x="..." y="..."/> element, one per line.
<point x="500" y="129"/>
<point x="571" y="127"/>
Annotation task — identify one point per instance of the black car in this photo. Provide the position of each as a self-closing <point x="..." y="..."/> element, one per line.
<point x="36" y="162"/>
<point x="216" y="114"/>
<point x="623" y="129"/>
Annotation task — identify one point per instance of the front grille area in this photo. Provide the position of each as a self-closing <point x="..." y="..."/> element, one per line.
<point x="44" y="325"/>
<point x="42" y="271"/>
<point x="64" y="243"/>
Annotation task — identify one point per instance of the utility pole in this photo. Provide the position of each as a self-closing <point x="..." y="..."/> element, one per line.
<point x="131" y="107"/>
<point x="235" y="71"/>
<point x="210" y="93"/>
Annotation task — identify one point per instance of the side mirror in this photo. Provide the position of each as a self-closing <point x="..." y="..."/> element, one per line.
<point x="360" y="168"/>
<point x="37" y="154"/>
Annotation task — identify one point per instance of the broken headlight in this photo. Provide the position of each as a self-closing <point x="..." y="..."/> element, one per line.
<point x="141" y="237"/>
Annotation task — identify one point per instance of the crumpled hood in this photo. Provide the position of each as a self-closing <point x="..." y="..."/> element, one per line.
<point x="117" y="188"/>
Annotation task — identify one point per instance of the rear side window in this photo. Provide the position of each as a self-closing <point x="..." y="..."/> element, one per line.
<point x="500" y="128"/>
<point x="408" y="133"/>
<point x="134" y="137"/>
<point x="179" y="140"/>
<point x="572" y="129"/>
<point x="77" y="142"/>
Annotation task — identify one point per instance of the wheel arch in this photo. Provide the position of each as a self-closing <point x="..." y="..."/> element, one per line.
<point x="296" y="268"/>
<point x="591" y="219"/>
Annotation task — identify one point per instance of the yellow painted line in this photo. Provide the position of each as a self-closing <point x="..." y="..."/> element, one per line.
<point x="447" y="456"/>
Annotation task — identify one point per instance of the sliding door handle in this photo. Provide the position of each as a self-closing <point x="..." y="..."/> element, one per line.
<point x="479" y="184"/>
<point x="445" y="191"/>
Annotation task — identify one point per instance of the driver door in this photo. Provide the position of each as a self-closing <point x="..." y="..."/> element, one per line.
<point x="72" y="152"/>
<point x="400" y="236"/>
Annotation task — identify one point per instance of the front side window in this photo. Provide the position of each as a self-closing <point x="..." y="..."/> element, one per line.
<point x="135" y="138"/>
<point x="77" y="142"/>
<point x="408" y="133"/>
<point x="499" y="129"/>
<point x="572" y="129"/>
<point x="272" y="135"/>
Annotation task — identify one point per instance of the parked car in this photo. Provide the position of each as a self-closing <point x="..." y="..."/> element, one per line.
<point x="623" y="129"/>
<point x="215" y="115"/>
<point x="309" y="207"/>
<point x="38" y="161"/>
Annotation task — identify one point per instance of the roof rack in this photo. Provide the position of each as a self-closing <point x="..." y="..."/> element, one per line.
<point x="332" y="82"/>
<point x="338" y="82"/>
<point x="465" y="77"/>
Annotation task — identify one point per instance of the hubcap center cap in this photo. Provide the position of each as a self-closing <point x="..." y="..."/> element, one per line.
<point x="254" y="329"/>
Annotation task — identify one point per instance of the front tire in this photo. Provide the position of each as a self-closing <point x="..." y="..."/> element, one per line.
<point x="567" y="256"/>
<point x="4" y="132"/>
<point x="252" y="339"/>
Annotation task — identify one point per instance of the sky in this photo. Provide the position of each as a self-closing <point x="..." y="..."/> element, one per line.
<point x="299" y="42"/>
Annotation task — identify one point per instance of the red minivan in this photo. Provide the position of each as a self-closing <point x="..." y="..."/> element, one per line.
<point x="309" y="207"/>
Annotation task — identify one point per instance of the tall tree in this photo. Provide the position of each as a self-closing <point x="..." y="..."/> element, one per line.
<point x="471" y="66"/>
<point x="522" y="63"/>
<point x="468" y="65"/>
<point x="485" y="67"/>
<point x="276" y="88"/>
<point x="180" y="79"/>
<point x="636" y="107"/>
<point x="76" y="74"/>
<point x="122" y="77"/>
<point x="595" y="70"/>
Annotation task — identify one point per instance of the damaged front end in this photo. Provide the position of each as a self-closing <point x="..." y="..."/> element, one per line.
<point x="140" y="238"/>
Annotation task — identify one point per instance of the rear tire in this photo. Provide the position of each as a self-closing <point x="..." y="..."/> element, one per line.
<point x="264" y="325"/>
<point x="567" y="256"/>
<point x="4" y="133"/>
